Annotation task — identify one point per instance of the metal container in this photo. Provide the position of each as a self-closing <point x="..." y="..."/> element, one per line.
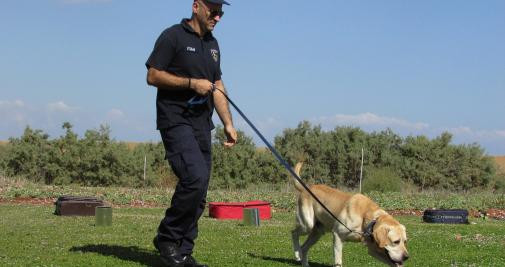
<point x="103" y="216"/>
<point x="251" y="217"/>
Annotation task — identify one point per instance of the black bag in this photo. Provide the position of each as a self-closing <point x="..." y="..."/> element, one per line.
<point x="445" y="216"/>
<point x="77" y="206"/>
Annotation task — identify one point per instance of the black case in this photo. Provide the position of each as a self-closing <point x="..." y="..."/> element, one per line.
<point x="445" y="216"/>
<point x="77" y="206"/>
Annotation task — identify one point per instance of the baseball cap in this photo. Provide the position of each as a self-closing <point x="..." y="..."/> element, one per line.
<point x="218" y="2"/>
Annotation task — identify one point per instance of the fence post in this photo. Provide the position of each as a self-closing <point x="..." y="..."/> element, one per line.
<point x="145" y="166"/>
<point x="361" y="171"/>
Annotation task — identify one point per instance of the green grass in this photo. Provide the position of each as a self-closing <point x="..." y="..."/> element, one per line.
<point x="33" y="236"/>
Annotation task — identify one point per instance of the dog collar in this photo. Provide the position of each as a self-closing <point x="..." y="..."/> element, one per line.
<point x="369" y="229"/>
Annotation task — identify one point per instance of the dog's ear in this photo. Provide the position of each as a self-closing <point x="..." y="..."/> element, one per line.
<point x="380" y="234"/>
<point x="404" y="234"/>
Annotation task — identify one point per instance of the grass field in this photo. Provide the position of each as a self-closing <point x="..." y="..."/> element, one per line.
<point x="33" y="236"/>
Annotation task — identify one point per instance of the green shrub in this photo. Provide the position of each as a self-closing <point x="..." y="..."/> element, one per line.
<point x="4" y="147"/>
<point x="499" y="183"/>
<point x="95" y="160"/>
<point x="382" y="180"/>
<point x="331" y="157"/>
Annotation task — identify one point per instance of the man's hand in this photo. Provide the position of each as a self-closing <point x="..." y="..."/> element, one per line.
<point x="201" y="86"/>
<point x="231" y="135"/>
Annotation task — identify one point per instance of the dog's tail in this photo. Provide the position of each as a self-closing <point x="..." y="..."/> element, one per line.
<point x="297" y="168"/>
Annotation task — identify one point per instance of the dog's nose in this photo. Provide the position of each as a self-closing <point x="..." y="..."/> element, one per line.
<point x="405" y="257"/>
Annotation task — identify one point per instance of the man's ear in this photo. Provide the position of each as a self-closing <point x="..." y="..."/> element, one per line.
<point x="380" y="234"/>
<point x="195" y="6"/>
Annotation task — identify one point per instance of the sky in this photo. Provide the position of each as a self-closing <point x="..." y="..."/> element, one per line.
<point x="416" y="67"/>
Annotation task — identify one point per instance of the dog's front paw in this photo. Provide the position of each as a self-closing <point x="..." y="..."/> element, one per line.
<point x="297" y="256"/>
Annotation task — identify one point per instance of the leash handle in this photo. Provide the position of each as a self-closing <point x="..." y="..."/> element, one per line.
<point x="282" y="161"/>
<point x="199" y="99"/>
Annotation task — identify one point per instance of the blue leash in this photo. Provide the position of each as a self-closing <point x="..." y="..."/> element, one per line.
<point x="281" y="160"/>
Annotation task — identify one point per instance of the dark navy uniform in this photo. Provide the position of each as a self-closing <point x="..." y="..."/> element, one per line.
<point x="185" y="129"/>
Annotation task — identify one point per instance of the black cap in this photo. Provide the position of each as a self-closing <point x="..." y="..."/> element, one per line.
<point x="218" y="2"/>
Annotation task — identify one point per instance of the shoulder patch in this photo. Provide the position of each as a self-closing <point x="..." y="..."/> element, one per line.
<point x="215" y="54"/>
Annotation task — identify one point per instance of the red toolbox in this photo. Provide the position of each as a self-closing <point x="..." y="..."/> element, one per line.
<point x="234" y="210"/>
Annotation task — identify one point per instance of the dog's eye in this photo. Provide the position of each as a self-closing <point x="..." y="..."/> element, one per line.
<point x="397" y="242"/>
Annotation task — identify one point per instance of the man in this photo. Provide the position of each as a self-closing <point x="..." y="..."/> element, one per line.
<point x="185" y="67"/>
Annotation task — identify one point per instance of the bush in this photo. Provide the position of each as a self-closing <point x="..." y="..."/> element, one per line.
<point x="4" y="147"/>
<point x="242" y="164"/>
<point x="382" y="180"/>
<point x="95" y="160"/>
<point x="331" y="157"/>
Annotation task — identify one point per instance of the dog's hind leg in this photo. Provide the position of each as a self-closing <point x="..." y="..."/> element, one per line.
<point x="313" y="237"/>
<point x="337" y="250"/>
<point x="295" y="236"/>
<point x="304" y="224"/>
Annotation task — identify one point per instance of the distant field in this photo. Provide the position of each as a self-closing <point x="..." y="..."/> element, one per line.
<point x="500" y="160"/>
<point x="132" y="145"/>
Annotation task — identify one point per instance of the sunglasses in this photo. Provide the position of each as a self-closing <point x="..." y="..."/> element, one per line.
<point x="213" y="13"/>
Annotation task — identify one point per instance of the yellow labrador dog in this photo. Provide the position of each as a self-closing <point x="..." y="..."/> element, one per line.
<point x="386" y="238"/>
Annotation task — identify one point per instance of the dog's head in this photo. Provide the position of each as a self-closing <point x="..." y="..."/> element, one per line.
<point x="389" y="243"/>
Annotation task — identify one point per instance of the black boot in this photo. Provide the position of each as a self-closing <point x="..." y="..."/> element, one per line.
<point x="169" y="252"/>
<point x="189" y="261"/>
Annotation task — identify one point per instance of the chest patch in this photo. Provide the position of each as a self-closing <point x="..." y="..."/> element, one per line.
<point x="215" y="54"/>
<point x="190" y="49"/>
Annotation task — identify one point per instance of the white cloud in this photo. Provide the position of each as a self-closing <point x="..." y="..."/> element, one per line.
<point x="60" y="106"/>
<point x="13" y="111"/>
<point x="16" y="114"/>
<point x="370" y="119"/>
<point x="477" y="134"/>
<point x="14" y="117"/>
<point x="84" y="1"/>
<point x="500" y="133"/>
<point x="460" y="130"/>
<point x="11" y="104"/>
<point x="267" y="124"/>
<point x="114" y="114"/>
<point x="376" y="122"/>
<point x="270" y="127"/>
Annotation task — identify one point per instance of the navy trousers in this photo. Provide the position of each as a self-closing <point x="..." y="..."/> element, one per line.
<point x="189" y="153"/>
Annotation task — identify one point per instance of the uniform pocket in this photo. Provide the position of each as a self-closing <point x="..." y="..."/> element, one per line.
<point x="204" y="139"/>
<point x="177" y="164"/>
